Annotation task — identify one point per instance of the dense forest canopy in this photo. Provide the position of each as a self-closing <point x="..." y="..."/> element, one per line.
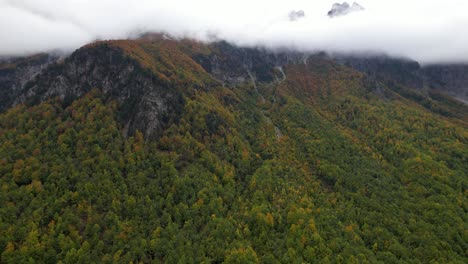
<point x="318" y="164"/>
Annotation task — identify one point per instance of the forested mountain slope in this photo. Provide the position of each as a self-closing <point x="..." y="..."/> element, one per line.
<point x="451" y="79"/>
<point x="164" y="151"/>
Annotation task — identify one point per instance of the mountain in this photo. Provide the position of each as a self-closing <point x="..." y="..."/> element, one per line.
<point x="344" y="9"/>
<point x="15" y="72"/>
<point x="452" y="79"/>
<point x="150" y="76"/>
<point x="295" y="15"/>
<point x="426" y="84"/>
<point x="175" y="151"/>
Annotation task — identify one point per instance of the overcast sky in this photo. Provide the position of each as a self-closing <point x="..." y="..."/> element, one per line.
<point x="425" y="30"/>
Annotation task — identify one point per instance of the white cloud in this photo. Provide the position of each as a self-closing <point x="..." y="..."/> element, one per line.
<point x="426" y="30"/>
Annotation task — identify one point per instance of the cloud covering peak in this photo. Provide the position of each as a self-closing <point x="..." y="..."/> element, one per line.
<point x="425" y="30"/>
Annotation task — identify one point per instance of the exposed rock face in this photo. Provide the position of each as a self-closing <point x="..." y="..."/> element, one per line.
<point x="344" y="9"/>
<point x="16" y="72"/>
<point x="233" y="65"/>
<point x="295" y="15"/>
<point x="147" y="103"/>
<point x="452" y="79"/>
<point x="403" y="71"/>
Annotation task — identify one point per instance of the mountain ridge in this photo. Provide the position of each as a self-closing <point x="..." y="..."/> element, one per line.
<point x="174" y="151"/>
<point x="206" y="65"/>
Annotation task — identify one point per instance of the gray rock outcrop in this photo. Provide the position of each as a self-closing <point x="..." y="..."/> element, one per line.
<point x="344" y="9"/>
<point x="146" y="103"/>
<point x="295" y="15"/>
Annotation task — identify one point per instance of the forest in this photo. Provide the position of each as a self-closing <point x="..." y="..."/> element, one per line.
<point x="315" y="168"/>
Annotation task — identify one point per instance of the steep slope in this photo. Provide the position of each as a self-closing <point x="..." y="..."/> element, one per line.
<point x="265" y="158"/>
<point x="16" y="72"/>
<point x="440" y="88"/>
<point x="402" y="71"/>
<point x="450" y="78"/>
<point x="149" y="76"/>
<point x="140" y="77"/>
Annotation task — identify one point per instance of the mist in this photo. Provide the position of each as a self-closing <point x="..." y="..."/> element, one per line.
<point x="429" y="31"/>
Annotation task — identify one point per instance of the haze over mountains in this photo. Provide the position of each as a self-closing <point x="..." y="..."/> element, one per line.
<point x="344" y="9"/>
<point x="451" y="79"/>
<point x="425" y="31"/>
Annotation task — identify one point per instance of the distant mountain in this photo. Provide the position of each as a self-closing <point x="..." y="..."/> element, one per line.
<point x="295" y="15"/>
<point x="344" y="9"/>
<point x="158" y="150"/>
<point x="451" y="79"/>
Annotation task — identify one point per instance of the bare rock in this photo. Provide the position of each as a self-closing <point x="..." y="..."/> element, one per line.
<point x="295" y="15"/>
<point x="344" y="9"/>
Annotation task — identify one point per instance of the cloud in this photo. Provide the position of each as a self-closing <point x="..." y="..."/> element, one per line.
<point x="425" y="30"/>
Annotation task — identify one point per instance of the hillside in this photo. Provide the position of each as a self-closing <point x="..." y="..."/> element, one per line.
<point x="163" y="151"/>
<point x="439" y="79"/>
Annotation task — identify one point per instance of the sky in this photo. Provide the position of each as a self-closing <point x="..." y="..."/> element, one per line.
<point x="429" y="31"/>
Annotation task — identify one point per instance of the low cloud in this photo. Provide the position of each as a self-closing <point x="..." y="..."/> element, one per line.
<point x="426" y="30"/>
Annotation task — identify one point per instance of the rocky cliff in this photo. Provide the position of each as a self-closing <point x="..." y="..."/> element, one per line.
<point x="448" y="79"/>
<point x="16" y="72"/>
<point x="147" y="102"/>
<point x="452" y="79"/>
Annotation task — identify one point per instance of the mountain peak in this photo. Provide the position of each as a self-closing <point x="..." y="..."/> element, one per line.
<point x="344" y="9"/>
<point x="295" y="15"/>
